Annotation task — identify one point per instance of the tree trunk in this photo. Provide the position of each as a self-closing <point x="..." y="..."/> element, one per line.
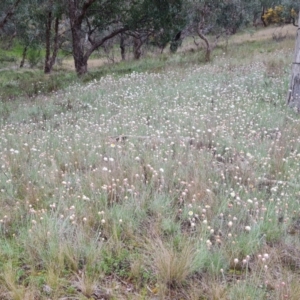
<point x="78" y="48"/>
<point x="122" y="46"/>
<point x="293" y="98"/>
<point x="80" y="61"/>
<point x="207" y="54"/>
<point x="24" y="54"/>
<point x="47" y="68"/>
<point x="262" y="16"/>
<point x="137" y="44"/>
<point x="55" y="44"/>
<point x="80" y="54"/>
<point x="207" y="45"/>
<point x="50" y="60"/>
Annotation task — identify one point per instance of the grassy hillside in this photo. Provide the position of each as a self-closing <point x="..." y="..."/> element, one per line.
<point x="180" y="182"/>
<point x="29" y="82"/>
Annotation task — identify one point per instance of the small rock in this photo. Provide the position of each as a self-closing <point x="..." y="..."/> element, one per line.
<point x="47" y="289"/>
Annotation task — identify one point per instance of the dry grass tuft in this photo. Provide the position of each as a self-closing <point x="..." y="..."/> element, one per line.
<point x="171" y="265"/>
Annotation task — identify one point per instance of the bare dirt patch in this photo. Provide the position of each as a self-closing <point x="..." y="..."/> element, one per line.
<point x="264" y="34"/>
<point x="92" y="63"/>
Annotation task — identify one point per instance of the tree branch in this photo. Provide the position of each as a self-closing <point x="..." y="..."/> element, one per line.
<point x="203" y="37"/>
<point x="90" y="32"/>
<point x="85" y="7"/>
<point x="9" y="14"/>
<point x="99" y="43"/>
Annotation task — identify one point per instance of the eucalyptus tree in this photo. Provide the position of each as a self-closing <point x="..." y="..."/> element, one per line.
<point x="158" y="22"/>
<point x="8" y="11"/>
<point x="290" y="11"/>
<point x="215" y="17"/>
<point x="54" y="33"/>
<point x="27" y="29"/>
<point x="92" y="23"/>
<point x="167" y="20"/>
<point x="39" y="27"/>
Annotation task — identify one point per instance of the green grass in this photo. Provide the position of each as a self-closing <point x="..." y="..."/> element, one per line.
<point x="166" y="178"/>
<point x="29" y="83"/>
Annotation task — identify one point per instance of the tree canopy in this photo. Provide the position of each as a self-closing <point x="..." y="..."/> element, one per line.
<point x="83" y="26"/>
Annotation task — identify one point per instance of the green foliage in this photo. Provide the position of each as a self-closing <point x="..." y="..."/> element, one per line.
<point x="103" y="12"/>
<point x="6" y="59"/>
<point x="30" y="83"/>
<point x="7" y="15"/>
<point x="115" y="262"/>
<point x="231" y="17"/>
<point x="247" y="291"/>
<point x="34" y="57"/>
<point x="162" y="20"/>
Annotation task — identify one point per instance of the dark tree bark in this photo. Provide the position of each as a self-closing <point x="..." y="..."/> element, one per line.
<point x="208" y="46"/>
<point x="56" y="44"/>
<point x="80" y="54"/>
<point x="293" y="98"/>
<point x="139" y="39"/>
<point x="24" y="54"/>
<point x="262" y="16"/>
<point x="48" y="42"/>
<point x="76" y="16"/>
<point x="50" y="60"/>
<point x="122" y="46"/>
<point x="137" y="45"/>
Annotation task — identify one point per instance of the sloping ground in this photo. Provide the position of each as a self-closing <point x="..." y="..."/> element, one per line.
<point x="265" y="33"/>
<point x="174" y="184"/>
<point x="188" y="44"/>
